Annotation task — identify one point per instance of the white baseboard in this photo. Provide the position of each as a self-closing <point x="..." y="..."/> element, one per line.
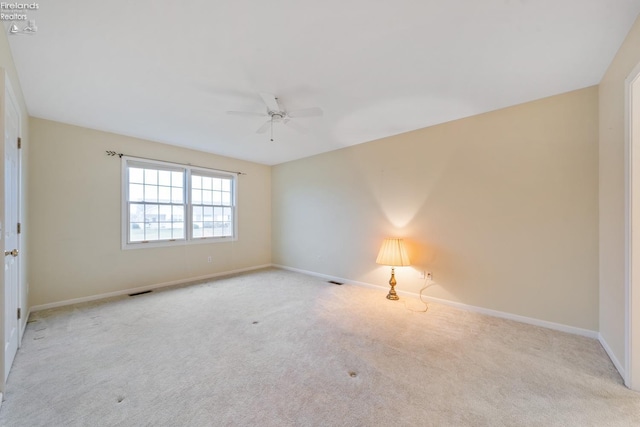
<point x="523" y="319"/>
<point x="142" y="288"/>
<point x="612" y="356"/>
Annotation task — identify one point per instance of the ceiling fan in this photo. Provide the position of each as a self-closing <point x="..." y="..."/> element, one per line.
<point x="277" y="114"/>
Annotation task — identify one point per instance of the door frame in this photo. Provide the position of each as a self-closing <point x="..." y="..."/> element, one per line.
<point x="632" y="231"/>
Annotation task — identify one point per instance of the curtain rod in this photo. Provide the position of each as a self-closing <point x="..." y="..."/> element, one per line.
<point x="113" y="154"/>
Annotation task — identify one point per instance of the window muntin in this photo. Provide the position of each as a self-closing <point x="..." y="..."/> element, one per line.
<point x="166" y="203"/>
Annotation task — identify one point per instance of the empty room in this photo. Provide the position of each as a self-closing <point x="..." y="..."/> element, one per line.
<point x="321" y="214"/>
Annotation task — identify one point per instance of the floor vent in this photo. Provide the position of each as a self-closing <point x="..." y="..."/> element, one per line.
<point x="140" y="293"/>
<point x="333" y="282"/>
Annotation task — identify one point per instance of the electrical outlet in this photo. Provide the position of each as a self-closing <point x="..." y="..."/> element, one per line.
<point x="429" y="276"/>
<point x="422" y="273"/>
<point x="209" y="258"/>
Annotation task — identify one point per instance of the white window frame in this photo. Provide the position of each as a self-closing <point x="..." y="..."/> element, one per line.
<point x="187" y="203"/>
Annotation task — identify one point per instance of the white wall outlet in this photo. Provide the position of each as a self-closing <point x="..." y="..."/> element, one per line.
<point x="422" y="273"/>
<point x="209" y="258"/>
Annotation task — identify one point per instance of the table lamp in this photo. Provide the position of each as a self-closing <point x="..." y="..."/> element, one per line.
<point x="392" y="253"/>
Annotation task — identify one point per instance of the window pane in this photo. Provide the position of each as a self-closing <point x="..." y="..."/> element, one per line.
<point x="151" y="215"/>
<point x="217" y="184"/>
<point x="206" y="183"/>
<point x="136" y="192"/>
<point x="164" y="178"/>
<point x="226" y="199"/>
<point x="197" y="213"/>
<point x="196" y="181"/>
<point x="165" y="213"/>
<point x="150" y="193"/>
<point x="165" y="230"/>
<point x="226" y="214"/>
<point x="136" y="232"/>
<point x="196" y="196"/>
<point x="177" y="179"/>
<point x="228" y="230"/>
<point x="197" y="229"/>
<point x="217" y="198"/>
<point x="206" y="197"/>
<point x="136" y="175"/>
<point x="208" y="213"/>
<point x="178" y="213"/>
<point x="164" y="194"/>
<point x="177" y="195"/>
<point x="150" y="176"/>
<point x="226" y="185"/>
<point x="178" y="230"/>
<point x="136" y="212"/>
<point x="151" y="233"/>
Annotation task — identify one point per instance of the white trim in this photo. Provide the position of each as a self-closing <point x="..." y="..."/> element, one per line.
<point x="611" y="355"/>
<point x="57" y="304"/>
<point x="629" y="280"/>
<point x="522" y="319"/>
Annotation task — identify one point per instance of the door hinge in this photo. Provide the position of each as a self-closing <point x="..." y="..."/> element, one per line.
<point x="19" y="143"/>
<point x="19" y="313"/>
<point x="19" y="228"/>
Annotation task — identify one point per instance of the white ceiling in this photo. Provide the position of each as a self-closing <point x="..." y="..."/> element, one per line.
<point x="169" y="70"/>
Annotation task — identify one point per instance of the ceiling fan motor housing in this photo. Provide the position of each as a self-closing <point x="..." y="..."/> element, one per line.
<point x="277" y="116"/>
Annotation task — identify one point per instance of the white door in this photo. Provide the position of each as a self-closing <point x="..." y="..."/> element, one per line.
<point x="11" y="206"/>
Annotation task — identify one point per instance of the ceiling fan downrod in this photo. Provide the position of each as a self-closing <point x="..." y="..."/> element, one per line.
<point x="275" y="115"/>
<point x="271" y="128"/>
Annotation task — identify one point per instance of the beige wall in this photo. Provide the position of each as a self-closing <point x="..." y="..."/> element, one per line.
<point x="612" y="187"/>
<point x="75" y="217"/>
<point x="501" y="207"/>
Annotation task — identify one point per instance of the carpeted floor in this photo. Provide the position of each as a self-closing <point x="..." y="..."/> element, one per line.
<point x="276" y="348"/>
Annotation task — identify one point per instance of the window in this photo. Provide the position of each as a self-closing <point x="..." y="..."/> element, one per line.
<point x="166" y="203"/>
<point x="211" y="205"/>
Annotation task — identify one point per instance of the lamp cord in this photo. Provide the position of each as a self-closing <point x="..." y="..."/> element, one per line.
<point x="427" y="282"/>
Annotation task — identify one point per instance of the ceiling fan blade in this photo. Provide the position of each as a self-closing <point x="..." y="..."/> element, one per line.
<point x="264" y="127"/>
<point x="306" y="112"/>
<point x="246" y="113"/>
<point x="293" y="125"/>
<point x="271" y="101"/>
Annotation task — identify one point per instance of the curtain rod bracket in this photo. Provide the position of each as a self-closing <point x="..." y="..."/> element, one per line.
<point x="113" y="153"/>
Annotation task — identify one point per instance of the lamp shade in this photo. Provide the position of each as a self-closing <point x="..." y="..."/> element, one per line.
<point x="393" y="253"/>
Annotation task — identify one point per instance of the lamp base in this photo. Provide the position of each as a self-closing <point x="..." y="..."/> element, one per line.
<point x="392" y="295"/>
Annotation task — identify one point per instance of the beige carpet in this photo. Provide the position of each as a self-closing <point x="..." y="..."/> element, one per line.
<point x="275" y="348"/>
